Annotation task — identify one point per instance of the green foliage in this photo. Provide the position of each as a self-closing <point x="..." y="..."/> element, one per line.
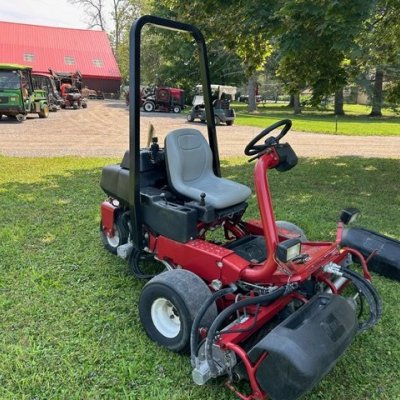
<point x="69" y="319"/>
<point x="314" y="39"/>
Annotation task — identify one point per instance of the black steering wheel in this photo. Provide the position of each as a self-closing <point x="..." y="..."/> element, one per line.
<point x="253" y="149"/>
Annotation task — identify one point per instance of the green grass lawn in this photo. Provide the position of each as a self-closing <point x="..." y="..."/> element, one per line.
<point x="355" y="122"/>
<point x="69" y="318"/>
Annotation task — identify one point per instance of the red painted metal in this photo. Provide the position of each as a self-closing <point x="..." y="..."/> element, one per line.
<point x="107" y="217"/>
<point x="257" y="393"/>
<point x="61" y="49"/>
<point x="364" y="265"/>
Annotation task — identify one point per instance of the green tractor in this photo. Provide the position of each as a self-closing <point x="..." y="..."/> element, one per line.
<point x="17" y="97"/>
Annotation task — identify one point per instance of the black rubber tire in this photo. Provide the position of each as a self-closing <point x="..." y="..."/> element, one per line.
<point x="44" y="113"/>
<point x="121" y="237"/>
<point x="190" y="118"/>
<point x="292" y="228"/>
<point x="176" y="109"/>
<point x="19" y="117"/>
<point x="229" y="123"/>
<point x="148" y="106"/>
<point x="84" y="105"/>
<point x="185" y="292"/>
<point x="217" y="121"/>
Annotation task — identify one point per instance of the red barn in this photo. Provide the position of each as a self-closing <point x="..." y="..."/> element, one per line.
<point x="62" y="50"/>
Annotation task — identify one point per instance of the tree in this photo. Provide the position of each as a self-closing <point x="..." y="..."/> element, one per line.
<point x="314" y="38"/>
<point x="121" y="13"/>
<point x="380" y="49"/>
<point x="246" y="40"/>
<point x="95" y="10"/>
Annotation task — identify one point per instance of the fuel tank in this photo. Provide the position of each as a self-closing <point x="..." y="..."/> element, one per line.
<point x="305" y="346"/>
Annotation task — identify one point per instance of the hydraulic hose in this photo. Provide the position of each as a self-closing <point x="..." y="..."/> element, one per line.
<point x="284" y="290"/>
<point x="194" y="333"/>
<point x="370" y="294"/>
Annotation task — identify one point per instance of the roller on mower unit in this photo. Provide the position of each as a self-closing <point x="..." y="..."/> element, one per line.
<point x="265" y="305"/>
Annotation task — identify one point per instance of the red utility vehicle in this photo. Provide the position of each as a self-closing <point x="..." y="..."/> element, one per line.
<point x="263" y="304"/>
<point x="164" y="99"/>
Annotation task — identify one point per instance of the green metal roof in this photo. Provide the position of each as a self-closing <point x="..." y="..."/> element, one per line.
<point x="14" y="66"/>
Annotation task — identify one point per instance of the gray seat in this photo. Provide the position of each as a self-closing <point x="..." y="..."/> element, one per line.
<point x="190" y="172"/>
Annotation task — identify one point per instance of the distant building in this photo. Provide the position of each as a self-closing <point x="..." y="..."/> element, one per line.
<point x="62" y="50"/>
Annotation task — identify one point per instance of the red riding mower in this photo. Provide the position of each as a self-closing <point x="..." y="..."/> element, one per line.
<point x="264" y="304"/>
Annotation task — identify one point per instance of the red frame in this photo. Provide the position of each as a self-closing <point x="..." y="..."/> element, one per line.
<point x="214" y="262"/>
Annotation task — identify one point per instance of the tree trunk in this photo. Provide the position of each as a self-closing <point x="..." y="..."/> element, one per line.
<point x="377" y="95"/>
<point x="291" y="101"/>
<point x="252" y="84"/>
<point x="339" y="102"/>
<point x="296" y="103"/>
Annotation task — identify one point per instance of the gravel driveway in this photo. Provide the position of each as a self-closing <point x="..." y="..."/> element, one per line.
<point x="102" y="130"/>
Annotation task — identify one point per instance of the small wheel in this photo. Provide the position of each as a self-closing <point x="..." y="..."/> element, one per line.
<point x="229" y="123"/>
<point x="291" y="230"/>
<point x="44" y="113"/>
<point x="190" y="118"/>
<point x="84" y="105"/>
<point x="75" y="106"/>
<point x="148" y="106"/>
<point x="168" y="306"/>
<point x="176" y="109"/>
<point x="20" y="117"/>
<point x="217" y="121"/>
<point x="202" y="120"/>
<point x="62" y="106"/>
<point x="120" y="237"/>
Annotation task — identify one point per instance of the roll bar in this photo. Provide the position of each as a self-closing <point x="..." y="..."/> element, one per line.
<point x="134" y="111"/>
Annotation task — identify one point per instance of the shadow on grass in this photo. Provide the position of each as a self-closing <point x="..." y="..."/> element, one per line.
<point x="70" y="326"/>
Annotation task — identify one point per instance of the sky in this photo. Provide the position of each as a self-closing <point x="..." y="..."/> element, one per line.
<point x="43" y="12"/>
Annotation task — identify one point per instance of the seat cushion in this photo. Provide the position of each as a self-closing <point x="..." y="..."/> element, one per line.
<point x="189" y="164"/>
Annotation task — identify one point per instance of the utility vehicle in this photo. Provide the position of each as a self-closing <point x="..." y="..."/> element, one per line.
<point x="164" y="99"/>
<point x="17" y="96"/>
<point x="221" y="99"/>
<point x="72" y="97"/>
<point x="262" y="304"/>
<point x="46" y="82"/>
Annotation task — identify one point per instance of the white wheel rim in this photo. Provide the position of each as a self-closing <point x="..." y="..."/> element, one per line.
<point x="113" y="241"/>
<point x="165" y="318"/>
<point x="148" y="107"/>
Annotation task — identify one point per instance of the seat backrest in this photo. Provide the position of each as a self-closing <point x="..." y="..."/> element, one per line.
<point x="189" y="157"/>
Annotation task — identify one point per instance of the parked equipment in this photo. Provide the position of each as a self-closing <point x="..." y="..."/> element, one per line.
<point x="17" y="95"/>
<point x="265" y="304"/>
<point x="47" y="83"/>
<point x="164" y="99"/>
<point x="221" y="97"/>
<point x="72" y="97"/>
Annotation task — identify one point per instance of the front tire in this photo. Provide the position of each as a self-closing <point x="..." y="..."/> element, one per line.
<point x="168" y="306"/>
<point x="44" y="113"/>
<point x="176" y="109"/>
<point x="148" y="106"/>
<point x="291" y="230"/>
